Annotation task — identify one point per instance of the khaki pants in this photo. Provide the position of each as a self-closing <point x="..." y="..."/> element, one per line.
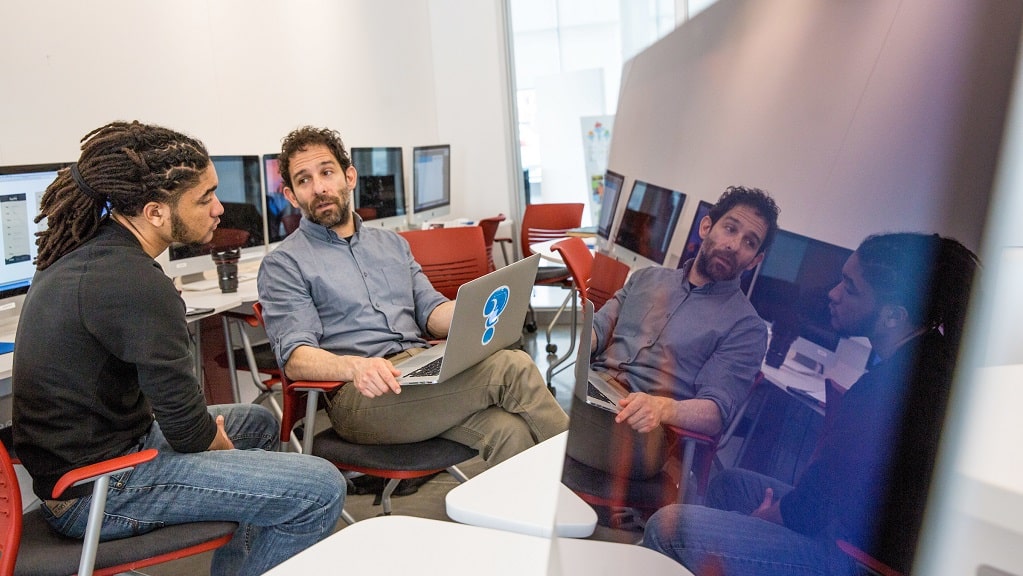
<point x="499" y="407"/>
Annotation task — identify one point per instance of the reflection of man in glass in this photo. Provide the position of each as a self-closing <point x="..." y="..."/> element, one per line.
<point x="907" y="293"/>
<point x="686" y="342"/>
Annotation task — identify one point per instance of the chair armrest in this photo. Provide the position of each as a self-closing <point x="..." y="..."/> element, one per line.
<point x="315" y="385"/>
<point x="91" y="472"/>
<point x="866" y="560"/>
<point x="684" y="434"/>
<point x="248" y="318"/>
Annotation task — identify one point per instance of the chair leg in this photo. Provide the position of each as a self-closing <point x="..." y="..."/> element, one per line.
<point x="90" y="544"/>
<point x="458" y="474"/>
<point x="347" y="517"/>
<point x="553" y="348"/>
<point x="551" y="368"/>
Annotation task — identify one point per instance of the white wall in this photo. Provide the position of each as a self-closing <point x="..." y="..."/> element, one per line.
<point x="240" y="74"/>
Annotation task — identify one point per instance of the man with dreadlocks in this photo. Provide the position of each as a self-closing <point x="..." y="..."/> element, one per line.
<point x="102" y="365"/>
<point x="908" y="294"/>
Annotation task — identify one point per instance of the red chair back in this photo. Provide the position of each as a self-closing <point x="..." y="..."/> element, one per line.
<point x="578" y="260"/>
<point x="607" y="277"/>
<point x="10" y="513"/>
<point x="542" y="222"/>
<point x="489" y="227"/>
<point x="449" y="257"/>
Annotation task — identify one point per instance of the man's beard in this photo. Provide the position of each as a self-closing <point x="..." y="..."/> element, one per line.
<point x="703" y="266"/>
<point x="328" y="220"/>
<point x="179" y="231"/>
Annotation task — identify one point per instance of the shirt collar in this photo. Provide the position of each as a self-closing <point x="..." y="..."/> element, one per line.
<point x="723" y="287"/>
<point x="324" y="234"/>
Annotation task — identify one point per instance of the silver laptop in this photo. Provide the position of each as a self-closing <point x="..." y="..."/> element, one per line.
<point x="488" y="316"/>
<point x="589" y="385"/>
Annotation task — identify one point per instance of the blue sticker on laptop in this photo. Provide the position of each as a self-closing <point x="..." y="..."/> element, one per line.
<point x="495" y="305"/>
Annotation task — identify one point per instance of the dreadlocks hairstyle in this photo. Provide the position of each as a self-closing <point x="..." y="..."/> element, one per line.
<point x="123" y="167"/>
<point x="304" y="137"/>
<point x="756" y="199"/>
<point x="931" y="276"/>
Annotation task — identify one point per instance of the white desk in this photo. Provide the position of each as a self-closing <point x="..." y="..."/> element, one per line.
<point x="524" y="494"/>
<point x="409" y="545"/>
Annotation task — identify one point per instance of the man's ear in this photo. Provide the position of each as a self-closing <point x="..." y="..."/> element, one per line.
<point x="351" y="176"/>
<point x="156" y="213"/>
<point x="756" y="260"/>
<point x="894" y="315"/>
<point x="705" y="225"/>
<point x="290" y="195"/>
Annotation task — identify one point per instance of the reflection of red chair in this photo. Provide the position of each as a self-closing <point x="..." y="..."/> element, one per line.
<point x="367" y="213"/>
<point x="579" y="261"/>
<point x="29" y="546"/>
<point x="449" y="257"/>
<point x="489" y="226"/>
<point x="623" y="496"/>
<point x="392" y="461"/>
<point x="699" y="451"/>
<point x="871" y="565"/>
<point x="606" y="277"/>
<point x="541" y="223"/>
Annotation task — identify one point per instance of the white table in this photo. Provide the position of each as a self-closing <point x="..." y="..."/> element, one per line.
<point x="409" y="545"/>
<point x="545" y="251"/>
<point x="524" y="494"/>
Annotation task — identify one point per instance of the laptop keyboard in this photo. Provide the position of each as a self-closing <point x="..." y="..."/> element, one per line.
<point x="431" y="369"/>
<point x="592" y="392"/>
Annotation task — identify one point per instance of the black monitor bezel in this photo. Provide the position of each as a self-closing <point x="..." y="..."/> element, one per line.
<point x="602" y="231"/>
<point x="401" y="209"/>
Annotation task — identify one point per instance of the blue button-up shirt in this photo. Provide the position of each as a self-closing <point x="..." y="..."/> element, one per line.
<point x="363" y="296"/>
<point x="662" y="336"/>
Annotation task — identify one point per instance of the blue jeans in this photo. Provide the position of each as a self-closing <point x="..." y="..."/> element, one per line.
<point x="284" y="502"/>
<point x="722" y="538"/>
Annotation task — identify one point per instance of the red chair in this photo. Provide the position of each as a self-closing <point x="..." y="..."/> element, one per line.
<point x="579" y="261"/>
<point x="489" y="226"/>
<point x="449" y="257"/>
<point x="258" y="359"/>
<point x="623" y="497"/>
<point x="29" y="546"/>
<point x="607" y="276"/>
<point x="395" y="462"/>
<point x="542" y="223"/>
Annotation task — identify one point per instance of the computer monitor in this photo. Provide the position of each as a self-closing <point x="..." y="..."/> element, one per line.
<point x="281" y="217"/>
<point x="21" y="191"/>
<point x="613" y="182"/>
<point x="240" y="192"/>
<point x="649" y="222"/>
<point x="431" y="183"/>
<point x="793" y="283"/>
<point x="380" y="190"/>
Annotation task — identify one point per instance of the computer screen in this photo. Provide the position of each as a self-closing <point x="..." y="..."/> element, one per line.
<point x="380" y="189"/>
<point x="431" y="181"/>
<point x="21" y="191"/>
<point x="613" y="182"/>
<point x="281" y="217"/>
<point x="240" y="192"/>
<point x="649" y="221"/>
<point x="793" y="284"/>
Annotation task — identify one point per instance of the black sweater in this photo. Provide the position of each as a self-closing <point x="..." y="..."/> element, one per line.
<point x="102" y="349"/>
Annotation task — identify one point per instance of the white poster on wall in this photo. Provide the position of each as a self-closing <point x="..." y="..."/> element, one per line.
<point x="596" y="132"/>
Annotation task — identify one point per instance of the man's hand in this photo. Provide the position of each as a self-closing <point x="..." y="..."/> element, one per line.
<point x="770" y="509"/>
<point x="643" y="412"/>
<point x="221" y="441"/>
<point x="375" y="376"/>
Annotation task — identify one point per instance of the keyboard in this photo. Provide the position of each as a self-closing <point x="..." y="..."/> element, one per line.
<point x="592" y="392"/>
<point x="430" y="369"/>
